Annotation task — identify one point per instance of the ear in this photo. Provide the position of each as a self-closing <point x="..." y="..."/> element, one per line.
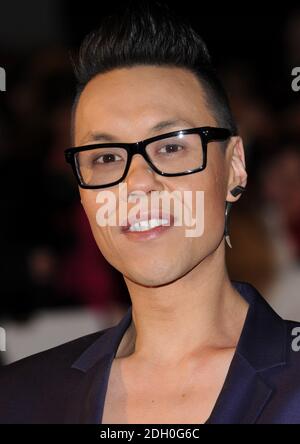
<point x="237" y="174"/>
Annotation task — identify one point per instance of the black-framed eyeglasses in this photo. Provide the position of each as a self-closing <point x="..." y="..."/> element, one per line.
<point x="176" y="153"/>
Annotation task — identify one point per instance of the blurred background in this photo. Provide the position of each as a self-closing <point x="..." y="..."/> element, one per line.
<point x="55" y="284"/>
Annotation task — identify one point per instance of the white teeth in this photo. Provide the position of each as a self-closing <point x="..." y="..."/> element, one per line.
<point x="144" y="225"/>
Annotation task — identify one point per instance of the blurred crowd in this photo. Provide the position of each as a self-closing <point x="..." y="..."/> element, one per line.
<point x="265" y="223"/>
<point x="49" y="260"/>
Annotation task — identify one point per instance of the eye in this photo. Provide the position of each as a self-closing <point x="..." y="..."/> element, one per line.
<point x="171" y="148"/>
<point x="107" y="158"/>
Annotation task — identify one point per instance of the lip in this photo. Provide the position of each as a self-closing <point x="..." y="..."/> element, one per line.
<point x="147" y="235"/>
<point x="152" y="233"/>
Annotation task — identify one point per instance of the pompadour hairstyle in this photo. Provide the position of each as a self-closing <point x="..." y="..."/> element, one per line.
<point x="147" y="32"/>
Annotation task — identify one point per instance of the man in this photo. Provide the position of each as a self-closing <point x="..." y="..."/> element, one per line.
<point x="194" y="347"/>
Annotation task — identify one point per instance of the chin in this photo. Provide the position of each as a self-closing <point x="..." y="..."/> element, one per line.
<point x="156" y="275"/>
<point x="149" y="281"/>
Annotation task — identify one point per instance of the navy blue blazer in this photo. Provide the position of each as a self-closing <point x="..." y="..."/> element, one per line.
<point x="68" y="383"/>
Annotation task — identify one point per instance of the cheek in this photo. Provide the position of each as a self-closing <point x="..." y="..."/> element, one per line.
<point x="215" y="201"/>
<point x="88" y="200"/>
<point x="209" y="194"/>
<point x="211" y="183"/>
<point x="103" y="235"/>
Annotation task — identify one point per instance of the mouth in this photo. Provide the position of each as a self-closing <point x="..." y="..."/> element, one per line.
<point x="148" y="226"/>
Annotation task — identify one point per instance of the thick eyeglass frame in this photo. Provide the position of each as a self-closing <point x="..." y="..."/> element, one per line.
<point x="206" y="133"/>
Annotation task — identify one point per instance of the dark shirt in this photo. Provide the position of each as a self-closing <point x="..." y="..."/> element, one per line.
<point x="68" y="384"/>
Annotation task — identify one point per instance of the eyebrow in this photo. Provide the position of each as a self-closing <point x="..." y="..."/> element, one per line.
<point x="96" y="136"/>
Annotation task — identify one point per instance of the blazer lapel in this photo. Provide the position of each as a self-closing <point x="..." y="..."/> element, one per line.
<point x="87" y="394"/>
<point x="243" y="395"/>
<point x="245" y="392"/>
<point x="261" y="346"/>
<point x="90" y="373"/>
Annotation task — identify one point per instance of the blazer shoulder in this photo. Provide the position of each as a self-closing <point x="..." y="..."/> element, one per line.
<point x="62" y="355"/>
<point x="35" y="389"/>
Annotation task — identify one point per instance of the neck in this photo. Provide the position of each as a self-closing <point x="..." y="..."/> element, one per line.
<point x="200" y="310"/>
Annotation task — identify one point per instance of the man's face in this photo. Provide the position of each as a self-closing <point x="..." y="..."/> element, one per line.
<point x="127" y="103"/>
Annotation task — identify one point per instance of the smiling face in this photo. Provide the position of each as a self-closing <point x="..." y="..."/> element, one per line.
<point x="128" y="103"/>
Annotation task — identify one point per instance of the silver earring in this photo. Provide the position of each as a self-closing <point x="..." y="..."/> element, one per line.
<point x="226" y="231"/>
<point x="235" y="192"/>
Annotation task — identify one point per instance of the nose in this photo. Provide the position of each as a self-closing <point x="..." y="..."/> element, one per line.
<point x="141" y="177"/>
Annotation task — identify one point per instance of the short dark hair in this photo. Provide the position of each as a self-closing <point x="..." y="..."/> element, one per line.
<point x="147" y="32"/>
